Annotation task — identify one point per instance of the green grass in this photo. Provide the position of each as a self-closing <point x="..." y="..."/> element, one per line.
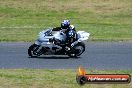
<point x="43" y="78"/>
<point x="21" y="20"/>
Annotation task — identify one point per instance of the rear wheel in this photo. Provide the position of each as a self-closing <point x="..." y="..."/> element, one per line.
<point x="34" y="51"/>
<point x="77" y="50"/>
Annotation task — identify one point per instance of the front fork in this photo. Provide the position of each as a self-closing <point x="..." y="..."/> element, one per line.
<point x="38" y="49"/>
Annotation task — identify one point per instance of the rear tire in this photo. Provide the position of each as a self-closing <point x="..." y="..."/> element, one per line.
<point x="77" y="52"/>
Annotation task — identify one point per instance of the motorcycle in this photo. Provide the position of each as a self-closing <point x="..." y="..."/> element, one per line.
<point x="45" y="46"/>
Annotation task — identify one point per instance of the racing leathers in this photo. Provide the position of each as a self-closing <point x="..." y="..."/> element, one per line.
<point x="69" y="38"/>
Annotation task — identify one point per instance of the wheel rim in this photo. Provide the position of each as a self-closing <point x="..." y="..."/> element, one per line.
<point x="34" y="52"/>
<point x="79" y="50"/>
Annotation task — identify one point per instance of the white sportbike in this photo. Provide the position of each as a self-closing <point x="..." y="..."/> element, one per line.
<point x="44" y="46"/>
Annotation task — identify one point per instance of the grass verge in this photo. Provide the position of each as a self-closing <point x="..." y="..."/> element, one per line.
<point x="46" y="78"/>
<point x="21" y="20"/>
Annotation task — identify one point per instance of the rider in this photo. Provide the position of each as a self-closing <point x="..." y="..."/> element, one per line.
<point x="68" y="30"/>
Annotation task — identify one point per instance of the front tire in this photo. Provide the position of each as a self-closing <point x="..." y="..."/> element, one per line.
<point x="32" y="51"/>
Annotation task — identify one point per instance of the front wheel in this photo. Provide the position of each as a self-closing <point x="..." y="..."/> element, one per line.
<point x="33" y="51"/>
<point x="77" y="50"/>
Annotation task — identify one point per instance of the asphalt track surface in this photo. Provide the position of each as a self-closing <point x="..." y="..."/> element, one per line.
<point x="98" y="55"/>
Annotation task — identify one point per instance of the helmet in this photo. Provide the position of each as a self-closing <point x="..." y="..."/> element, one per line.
<point x="65" y="24"/>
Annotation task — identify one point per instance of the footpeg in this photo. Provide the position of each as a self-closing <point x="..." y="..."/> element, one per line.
<point x="67" y="48"/>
